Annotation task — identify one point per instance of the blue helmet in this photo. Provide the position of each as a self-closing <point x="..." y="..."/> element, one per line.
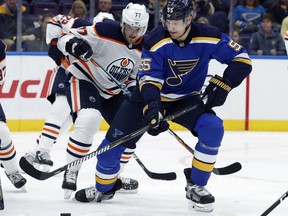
<point x="177" y="9"/>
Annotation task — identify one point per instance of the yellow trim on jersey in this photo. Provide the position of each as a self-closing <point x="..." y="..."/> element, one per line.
<point x="246" y="61"/>
<point x="105" y="181"/>
<point x="202" y="166"/>
<point x="206" y="39"/>
<point x="158" y="85"/>
<point x="160" y="44"/>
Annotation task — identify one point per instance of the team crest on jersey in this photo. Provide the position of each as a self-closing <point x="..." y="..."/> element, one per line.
<point x="121" y="68"/>
<point x="180" y="68"/>
<point x="117" y="133"/>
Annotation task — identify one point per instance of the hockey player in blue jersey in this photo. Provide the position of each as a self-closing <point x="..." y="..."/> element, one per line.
<point x="175" y="59"/>
<point x="7" y="149"/>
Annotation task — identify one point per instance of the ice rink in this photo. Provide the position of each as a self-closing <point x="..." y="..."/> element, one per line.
<point x="249" y="192"/>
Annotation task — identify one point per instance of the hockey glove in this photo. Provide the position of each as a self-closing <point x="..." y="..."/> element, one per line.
<point x="79" y="48"/>
<point x="216" y="92"/>
<point x="154" y="118"/>
<point x="54" y="52"/>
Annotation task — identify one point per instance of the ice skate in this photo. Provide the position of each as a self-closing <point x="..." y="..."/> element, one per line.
<point x="129" y="185"/>
<point x="69" y="183"/>
<point x="42" y="161"/>
<point x="202" y="199"/>
<point x="17" y="180"/>
<point x="92" y="195"/>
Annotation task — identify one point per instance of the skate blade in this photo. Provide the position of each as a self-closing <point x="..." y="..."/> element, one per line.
<point x="124" y="191"/>
<point x="67" y="193"/>
<point x="201" y="207"/>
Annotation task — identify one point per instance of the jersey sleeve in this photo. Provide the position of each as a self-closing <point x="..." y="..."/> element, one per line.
<point x="236" y="57"/>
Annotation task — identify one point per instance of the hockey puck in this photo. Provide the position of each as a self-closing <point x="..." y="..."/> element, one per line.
<point x="65" y="214"/>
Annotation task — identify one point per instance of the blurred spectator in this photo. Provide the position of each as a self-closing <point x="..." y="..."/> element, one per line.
<point x="247" y="16"/>
<point x="106" y="6"/>
<point x="221" y="5"/>
<point x="79" y="10"/>
<point x="267" y="41"/>
<point x="266" y="3"/>
<point x="203" y="8"/>
<point x="236" y="36"/>
<point x="279" y="10"/>
<point x="151" y="11"/>
<point x="8" y="20"/>
<point x="34" y="40"/>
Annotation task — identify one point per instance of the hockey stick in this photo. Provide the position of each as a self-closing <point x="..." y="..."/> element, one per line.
<point x="232" y="168"/>
<point x="37" y="174"/>
<point x="1" y="197"/>
<point x="126" y="92"/>
<point x="160" y="176"/>
<point x="235" y="167"/>
<point x="275" y="204"/>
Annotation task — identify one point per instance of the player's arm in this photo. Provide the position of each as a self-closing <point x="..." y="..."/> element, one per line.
<point x="239" y="67"/>
<point x="150" y="84"/>
<point x="75" y="43"/>
<point x="2" y="62"/>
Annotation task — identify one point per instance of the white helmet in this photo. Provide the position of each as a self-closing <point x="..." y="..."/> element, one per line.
<point x="101" y="16"/>
<point x="135" y="15"/>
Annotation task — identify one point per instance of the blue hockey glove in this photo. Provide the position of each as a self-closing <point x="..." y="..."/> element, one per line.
<point x="216" y="92"/>
<point x="79" y="48"/>
<point x="54" y="52"/>
<point x="154" y="118"/>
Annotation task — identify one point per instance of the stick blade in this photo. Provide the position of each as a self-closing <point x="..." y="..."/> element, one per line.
<point x="31" y="170"/>
<point x="232" y="168"/>
<point x="163" y="176"/>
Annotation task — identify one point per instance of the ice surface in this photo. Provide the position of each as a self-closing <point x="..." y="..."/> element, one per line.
<point x="262" y="180"/>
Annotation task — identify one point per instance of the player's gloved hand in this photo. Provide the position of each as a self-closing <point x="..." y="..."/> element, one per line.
<point x="79" y="48"/>
<point x="54" y="52"/>
<point x="154" y="118"/>
<point x="216" y="92"/>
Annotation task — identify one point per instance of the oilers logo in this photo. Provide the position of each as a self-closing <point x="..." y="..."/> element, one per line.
<point x="121" y="68"/>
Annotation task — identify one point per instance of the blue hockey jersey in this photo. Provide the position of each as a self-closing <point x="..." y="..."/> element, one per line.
<point x="179" y="69"/>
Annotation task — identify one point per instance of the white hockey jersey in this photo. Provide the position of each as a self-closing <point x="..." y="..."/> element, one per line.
<point x="111" y="52"/>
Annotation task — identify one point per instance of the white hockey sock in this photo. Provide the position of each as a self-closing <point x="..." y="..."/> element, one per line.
<point x="80" y="141"/>
<point x="7" y="150"/>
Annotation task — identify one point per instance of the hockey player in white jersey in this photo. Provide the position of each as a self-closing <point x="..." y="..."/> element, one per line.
<point x="7" y="150"/>
<point x="59" y="119"/>
<point x="109" y="46"/>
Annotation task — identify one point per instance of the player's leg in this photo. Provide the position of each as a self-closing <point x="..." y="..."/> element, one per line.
<point x="210" y="132"/>
<point x="209" y="129"/>
<point x="58" y="120"/>
<point x="129" y="118"/>
<point x="84" y="100"/>
<point x="8" y="154"/>
<point x="109" y="109"/>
